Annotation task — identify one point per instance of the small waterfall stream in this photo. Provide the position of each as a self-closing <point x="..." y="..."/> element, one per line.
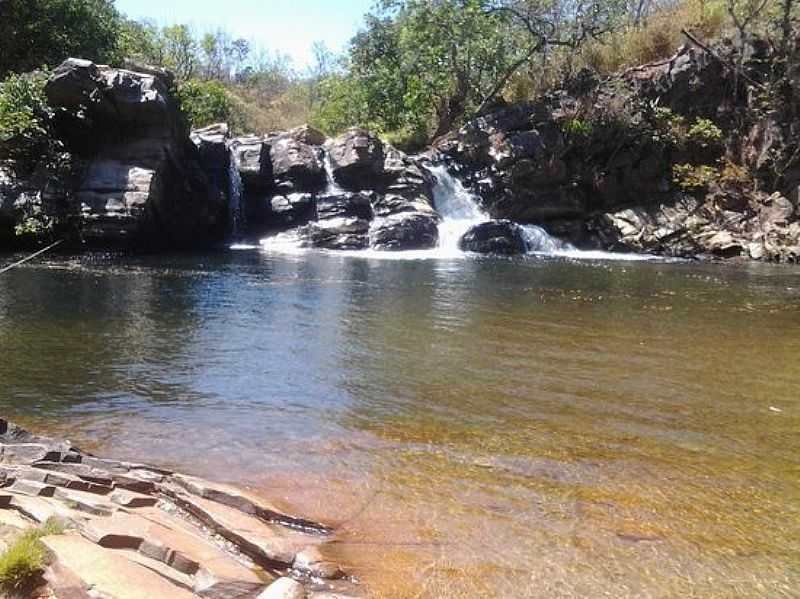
<point x="331" y="186"/>
<point x="236" y="214"/>
<point x="458" y="208"/>
<point x="460" y="211"/>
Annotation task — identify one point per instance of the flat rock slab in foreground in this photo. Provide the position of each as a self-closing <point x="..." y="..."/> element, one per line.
<point x="136" y="531"/>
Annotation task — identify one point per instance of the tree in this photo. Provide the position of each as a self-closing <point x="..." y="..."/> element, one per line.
<point x="429" y="64"/>
<point x="34" y="33"/>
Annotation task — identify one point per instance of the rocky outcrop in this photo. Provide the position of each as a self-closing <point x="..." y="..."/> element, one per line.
<point x="495" y="237"/>
<point x="342" y="222"/>
<point x="144" y="182"/>
<point x="133" y="530"/>
<point x="357" y="160"/>
<point x="676" y="157"/>
<point x="373" y="196"/>
<point x="296" y="166"/>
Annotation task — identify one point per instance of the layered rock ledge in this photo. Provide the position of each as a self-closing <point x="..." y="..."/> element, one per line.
<point x="135" y="531"/>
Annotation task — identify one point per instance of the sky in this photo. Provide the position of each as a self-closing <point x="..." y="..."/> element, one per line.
<point x="287" y="26"/>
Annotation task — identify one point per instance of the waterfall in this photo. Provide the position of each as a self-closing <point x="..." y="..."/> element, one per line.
<point x="236" y="215"/>
<point x="539" y="241"/>
<point x="331" y="186"/>
<point x="458" y="208"/>
<point x="460" y="211"/>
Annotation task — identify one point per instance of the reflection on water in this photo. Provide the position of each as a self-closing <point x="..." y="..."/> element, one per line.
<point x="513" y="428"/>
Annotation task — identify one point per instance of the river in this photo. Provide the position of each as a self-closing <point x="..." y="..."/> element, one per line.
<point x="526" y="427"/>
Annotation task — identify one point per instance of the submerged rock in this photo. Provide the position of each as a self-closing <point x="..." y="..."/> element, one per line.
<point x="135" y="526"/>
<point x="495" y="237"/>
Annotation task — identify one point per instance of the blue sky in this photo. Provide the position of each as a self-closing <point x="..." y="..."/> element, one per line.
<point x="288" y="26"/>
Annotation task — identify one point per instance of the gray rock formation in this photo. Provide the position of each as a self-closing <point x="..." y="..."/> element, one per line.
<point x="601" y="161"/>
<point x="495" y="237"/>
<point x="357" y="158"/>
<point x="144" y="182"/>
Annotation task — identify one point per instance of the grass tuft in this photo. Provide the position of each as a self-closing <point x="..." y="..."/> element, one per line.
<point x="25" y="559"/>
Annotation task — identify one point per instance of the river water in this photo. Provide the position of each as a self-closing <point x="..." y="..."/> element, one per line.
<point x="530" y="427"/>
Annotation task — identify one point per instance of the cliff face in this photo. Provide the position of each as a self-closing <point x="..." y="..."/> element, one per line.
<point x="134" y="177"/>
<point x="688" y="156"/>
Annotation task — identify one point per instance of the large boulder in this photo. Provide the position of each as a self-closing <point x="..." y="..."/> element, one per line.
<point x="357" y="159"/>
<point x="145" y="180"/>
<point x="495" y="237"/>
<point x="342" y="223"/>
<point x="405" y="231"/>
<point x="251" y="157"/>
<point x="296" y="166"/>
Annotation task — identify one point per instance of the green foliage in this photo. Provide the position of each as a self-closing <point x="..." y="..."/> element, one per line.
<point x="205" y="102"/>
<point x="23" y="108"/>
<point x="25" y="116"/>
<point x="704" y="133"/>
<point x="26" y="558"/>
<point x="694" y="178"/>
<point x="45" y="32"/>
<point x="577" y="127"/>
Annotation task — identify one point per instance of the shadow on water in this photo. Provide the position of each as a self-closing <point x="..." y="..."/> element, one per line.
<point x="499" y="427"/>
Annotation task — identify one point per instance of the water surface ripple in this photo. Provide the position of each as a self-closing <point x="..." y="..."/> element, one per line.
<point x="475" y="427"/>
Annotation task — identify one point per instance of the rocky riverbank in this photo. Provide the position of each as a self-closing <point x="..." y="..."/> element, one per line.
<point x="691" y="156"/>
<point x="130" y="530"/>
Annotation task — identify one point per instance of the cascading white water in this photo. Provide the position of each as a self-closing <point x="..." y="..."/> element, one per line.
<point x="460" y="211"/>
<point x="331" y="186"/>
<point x="236" y="215"/>
<point x="458" y="208"/>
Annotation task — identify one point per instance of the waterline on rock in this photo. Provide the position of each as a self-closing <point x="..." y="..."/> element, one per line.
<point x="460" y="211"/>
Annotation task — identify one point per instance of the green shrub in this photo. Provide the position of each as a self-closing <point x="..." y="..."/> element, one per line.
<point x="704" y="133"/>
<point x="577" y="127"/>
<point x="26" y="558"/>
<point x="205" y="102"/>
<point x="24" y="115"/>
<point x="693" y="178"/>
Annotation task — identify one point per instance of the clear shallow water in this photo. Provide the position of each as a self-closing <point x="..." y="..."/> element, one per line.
<point x="475" y="427"/>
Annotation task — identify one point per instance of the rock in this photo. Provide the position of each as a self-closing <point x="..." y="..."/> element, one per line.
<point x="311" y="561"/>
<point x="115" y="201"/>
<point x="284" y="588"/>
<point x="179" y="536"/>
<point x="108" y="573"/>
<point x="337" y="234"/>
<point x="252" y="157"/>
<point x="344" y="205"/>
<point x="144" y="183"/>
<point x="494" y="237"/>
<point x="306" y="134"/>
<point x="292" y="209"/>
<point x="213" y="155"/>
<point x="262" y="542"/>
<point x="296" y="164"/>
<point x="357" y="159"/>
<point x="343" y="222"/>
<point x="405" y="231"/>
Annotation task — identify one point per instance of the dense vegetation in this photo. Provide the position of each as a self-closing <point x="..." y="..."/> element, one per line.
<point x="415" y="70"/>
